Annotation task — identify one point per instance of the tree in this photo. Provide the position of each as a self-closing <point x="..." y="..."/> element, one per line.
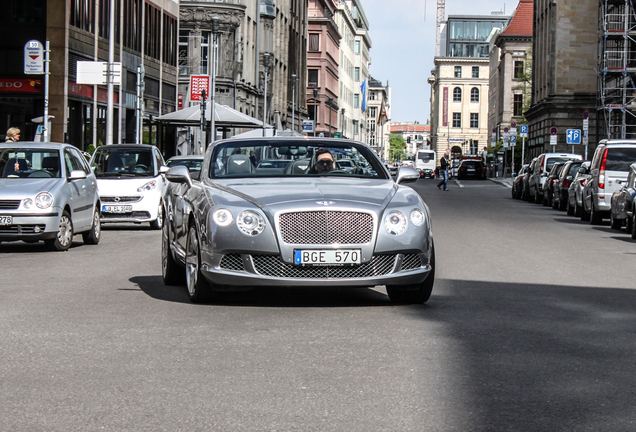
<point x="397" y="147"/>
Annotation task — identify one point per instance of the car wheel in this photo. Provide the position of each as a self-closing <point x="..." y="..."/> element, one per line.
<point x="92" y="237"/>
<point x="198" y="288"/>
<point x="158" y="223"/>
<point x="514" y="193"/>
<point x="634" y="224"/>
<point x="537" y="199"/>
<point x="569" y="210"/>
<point x="64" y="236"/>
<point x="563" y="203"/>
<point x="615" y="223"/>
<point x="555" y="204"/>
<point x="414" y="294"/>
<point x="628" y="225"/>
<point x="172" y="273"/>
<point x="595" y="216"/>
<point x="578" y="211"/>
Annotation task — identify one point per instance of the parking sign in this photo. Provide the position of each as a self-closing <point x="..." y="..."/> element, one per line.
<point x="573" y="136"/>
<point x="523" y="130"/>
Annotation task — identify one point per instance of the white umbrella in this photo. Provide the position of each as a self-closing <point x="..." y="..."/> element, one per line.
<point x="224" y="116"/>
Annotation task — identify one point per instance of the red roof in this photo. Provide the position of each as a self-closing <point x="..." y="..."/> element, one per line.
<point x="521" y="22"/>
<point x="410" y="128"/>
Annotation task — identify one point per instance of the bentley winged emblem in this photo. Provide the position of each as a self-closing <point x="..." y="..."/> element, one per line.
<point x="325" y="203"/>
<point x="239" y="162"/>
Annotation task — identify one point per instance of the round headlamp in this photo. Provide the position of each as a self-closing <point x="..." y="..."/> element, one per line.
<point x="44" y="200"/>
<point x="27" y="203"/>
<point x="417" y="217"/>
<point x="395" y="222"/>
<point x="222" y="217"/>
<point x="250" y="223"/>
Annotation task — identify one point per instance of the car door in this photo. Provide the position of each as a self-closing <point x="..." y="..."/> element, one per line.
<point x="81" y="191"/>
<point x="591" y="179"/>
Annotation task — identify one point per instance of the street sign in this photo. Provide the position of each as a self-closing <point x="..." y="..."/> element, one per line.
<point x="199" y="83"/>
<point x="553" y="130"/>
<point x="33" y="58"/>
<point x="96" y="73"/>
<point x="573" y="136"/>
<point x="513" y="131"/>
<point x="513" y="124"/>
<point x="506" y="130"/>
<point x="553" y="140"/>
<point x="308" y="126"/>
<point x="513" y="140"/>
<point x="586" y="114"/>
<point x="337" y="135"/>
<point x="523" y="129"/>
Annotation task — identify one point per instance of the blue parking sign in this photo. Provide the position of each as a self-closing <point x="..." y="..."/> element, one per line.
<point x="523" y="129"/>
<point x="573" y="136"/>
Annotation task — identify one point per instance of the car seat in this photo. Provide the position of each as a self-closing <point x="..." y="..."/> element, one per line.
<point x="239" y="164"/>
<point x="51" y="164"/>
<point x="297" y="167"/>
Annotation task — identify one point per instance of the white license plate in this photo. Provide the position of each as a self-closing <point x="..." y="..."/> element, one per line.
<point x="116" y="209"/>
<point x="6" y="220"/>
<point x="471" y="170"/>
<point x="327" y="257"/>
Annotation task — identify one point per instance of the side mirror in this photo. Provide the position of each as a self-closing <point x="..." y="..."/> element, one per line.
<point x="77" y="175"/>
<point x="569" y="178"/>
<point x="179" y="174"/>
<point x="583" y="170"/>
<point x="595" y="172"/>
<point x="407" y="175"/>
<point x="514" y="175"/>
<point x="163" y="169"/>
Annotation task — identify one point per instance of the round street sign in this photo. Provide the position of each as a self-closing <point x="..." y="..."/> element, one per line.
<point x="494" y="130"/>
<point x="586" y="114"/>
<point x="553" y="130"/>
<point x="513" y="124"/>
<point x="505" y="130"/>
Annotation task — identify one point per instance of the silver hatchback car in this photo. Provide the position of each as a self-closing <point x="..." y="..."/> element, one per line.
<point x="47" y="192"/>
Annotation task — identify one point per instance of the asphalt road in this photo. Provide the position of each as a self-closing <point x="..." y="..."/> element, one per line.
<point x="531" y="327"/>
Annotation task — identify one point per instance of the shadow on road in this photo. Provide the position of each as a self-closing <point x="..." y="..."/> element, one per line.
<point x="23" y="247"/>
<point x="269" y="296"/>
<point x="541" y="357"/>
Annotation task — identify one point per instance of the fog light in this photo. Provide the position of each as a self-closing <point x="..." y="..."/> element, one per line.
<point x="36" y="229"/>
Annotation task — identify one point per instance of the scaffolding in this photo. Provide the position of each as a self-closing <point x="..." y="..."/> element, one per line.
<point x="617" y="69"/>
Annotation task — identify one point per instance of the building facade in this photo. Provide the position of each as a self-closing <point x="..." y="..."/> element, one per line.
<point x="510" y="86"/>
<point x="564" y="77"/>
<point x="415" y="135"/>
<point x="378" y="117"/>
<point x="459" y="86"/>
<point x="354" y="68"/>
<point x="78" y="30"/>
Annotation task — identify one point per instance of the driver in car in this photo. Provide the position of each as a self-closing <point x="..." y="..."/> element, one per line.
<point x="324" y="162"/>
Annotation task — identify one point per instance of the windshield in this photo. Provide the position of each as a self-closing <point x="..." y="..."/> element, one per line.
<point x="122" y="162"/>
<point x="21" y="163"/>
<point x="553" y="160"/>
<point x="290" y="158"/>
<point x="191" y="164"/>
<point x="426" y="156"/>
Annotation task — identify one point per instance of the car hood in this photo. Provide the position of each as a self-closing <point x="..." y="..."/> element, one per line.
<point x="121" y="186"/>
<point x="27" y="187"/>
<point x="326" y="190"/>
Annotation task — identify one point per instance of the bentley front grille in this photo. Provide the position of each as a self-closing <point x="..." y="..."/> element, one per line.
<point x="272" y="265"/>
<point x="326" y="227"/>
<point x="232" y="262"/>
<point x="411" y="261"/>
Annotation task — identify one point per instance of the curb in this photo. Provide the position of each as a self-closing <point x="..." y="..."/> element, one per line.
<point x="503" y="182"/>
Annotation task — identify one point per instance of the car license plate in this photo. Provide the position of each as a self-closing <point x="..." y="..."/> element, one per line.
<point x="6" y="220"/>
<point x="471" y="170"/>
<point x="327" y="257"/>
<point x="116" y="209"/>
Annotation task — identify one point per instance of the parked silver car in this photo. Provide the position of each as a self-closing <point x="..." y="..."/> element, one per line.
<point x="315" y="226"/>
<point x="47" y="192"/>
<point x="610" y="163"/>
<point x="574" y="205"/>
<point x="541" y="169"/>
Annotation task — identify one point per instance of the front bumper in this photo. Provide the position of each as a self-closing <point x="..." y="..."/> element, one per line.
<point x="270" y="270"/>
<point x="31" y="225"/>
<point x="144" y="209"/>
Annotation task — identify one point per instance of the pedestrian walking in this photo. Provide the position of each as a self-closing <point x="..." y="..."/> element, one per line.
<point x="443" y="171"/>
<point x="13" y="134"/>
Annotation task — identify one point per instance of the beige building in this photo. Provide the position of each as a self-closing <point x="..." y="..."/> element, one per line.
<point x="508" y="89"/>
<point x="564" y="77"/>
<point x="378" y="117"/>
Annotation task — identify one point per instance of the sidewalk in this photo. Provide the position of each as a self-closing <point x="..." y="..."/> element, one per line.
<point x="507" y="182"/>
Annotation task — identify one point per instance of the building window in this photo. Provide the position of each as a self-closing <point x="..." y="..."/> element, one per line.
<point x="356" y="47"/>
<point x="314" y="42"/>
<point x="457" y="94"/>
<point x="372" y="95"/>
<point x="457" y="120"/>
<point x="373" y="112"/>
<point x="82" y="15"/>
<point x="312" y="78"/>
<point x="458" y="71"/>
<point x="474" y="120"/>
<point x="474" y="94"/>
<point x="356" y="100"/>
<point x="356" y="74"/>
<point x="356" y="128"/>
<point x="475" y="71"/>
<point x="474" y="147"/>
<point x="518" y="69"/>
<point x="183" y="52"/>
<point x="517" y="105"/>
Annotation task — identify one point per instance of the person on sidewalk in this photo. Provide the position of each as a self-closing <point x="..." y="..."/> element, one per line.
<point x="443" y="172"/>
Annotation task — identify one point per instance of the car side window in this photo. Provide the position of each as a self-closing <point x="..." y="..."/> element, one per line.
<point x="158" y="159"/>
<point x="69" y="163"/>
<point x="83" y="164"/>
<point x="596" y="160"/>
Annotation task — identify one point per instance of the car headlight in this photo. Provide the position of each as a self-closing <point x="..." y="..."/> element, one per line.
<point x="395" y="222"/>
<point x="27" y="203"/>
<point x="44" y="200"/>
<point x="250" y="223"/>
<point x="148" y="186"/>
<point x="417" y="217"/>
<point x="222" y="217"/>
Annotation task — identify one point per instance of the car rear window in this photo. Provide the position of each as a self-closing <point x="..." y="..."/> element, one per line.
<point x="620" y="158"/>
<point x="471" y="164"/>
<point x="574" y="167"/>
<point x="553" y="160"/>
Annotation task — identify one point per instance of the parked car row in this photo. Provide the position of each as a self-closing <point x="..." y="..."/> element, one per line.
<point x="603" y="188"/>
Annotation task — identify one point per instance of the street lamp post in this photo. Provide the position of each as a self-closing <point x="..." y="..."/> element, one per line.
<point x="266" y="61"/>
<point x="293" y="79"/>
<point x="215" y="46"/>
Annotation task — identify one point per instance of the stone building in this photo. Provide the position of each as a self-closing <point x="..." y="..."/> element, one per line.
<point x="564" y="77"/>
<point x="78" y="30"/>
<point x="508" y="89"/>
<point x="255" y="39"/>
<point x="378" y="117"/>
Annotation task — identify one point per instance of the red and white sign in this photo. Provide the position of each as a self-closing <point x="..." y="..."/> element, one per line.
<point x="33" y="58"/>
<point x="21" y="85"/>
<point x="197" y="84"/>
<point x="445" y="107"/>
<point x="179" y="101"/>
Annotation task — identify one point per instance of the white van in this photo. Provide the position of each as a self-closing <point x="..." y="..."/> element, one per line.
<point x="425" y="163"/>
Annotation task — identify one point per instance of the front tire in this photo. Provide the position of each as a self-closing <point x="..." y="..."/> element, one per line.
<point x="171" y="272"/>
<point x="595" y="216"/>
<point x="92" y="237"/>
<point x="615" y="224"/>
<point x="158" y="223"/>
<point x="198" y="288"/>
<point x="64" y="236"/>
<point x="634" y="225"/>
<point x="414" y="294"/>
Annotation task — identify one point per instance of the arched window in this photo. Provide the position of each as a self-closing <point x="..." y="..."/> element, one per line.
<point x="457" y="94"/>
<point x="474" y="94"/>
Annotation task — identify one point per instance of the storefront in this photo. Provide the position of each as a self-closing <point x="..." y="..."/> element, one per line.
<point x="21" y="99"/>
<point x="87" y="117"/>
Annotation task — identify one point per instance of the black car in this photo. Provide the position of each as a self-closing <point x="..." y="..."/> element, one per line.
<point x="562" y="184"/>
<point x="473" y="168"/>
<point x="549" y="183"/>
<point x="623" y="204"/>
<point x="427" y="173"/>
<point x="517" y="182"/>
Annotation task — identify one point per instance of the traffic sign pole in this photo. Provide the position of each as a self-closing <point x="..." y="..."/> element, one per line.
<point x="46" y="134"/>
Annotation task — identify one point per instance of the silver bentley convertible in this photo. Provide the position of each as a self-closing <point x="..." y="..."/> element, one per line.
<point x="245" y="225"/>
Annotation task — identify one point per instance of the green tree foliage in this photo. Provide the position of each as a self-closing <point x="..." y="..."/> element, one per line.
<point x="397" y="147"/>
